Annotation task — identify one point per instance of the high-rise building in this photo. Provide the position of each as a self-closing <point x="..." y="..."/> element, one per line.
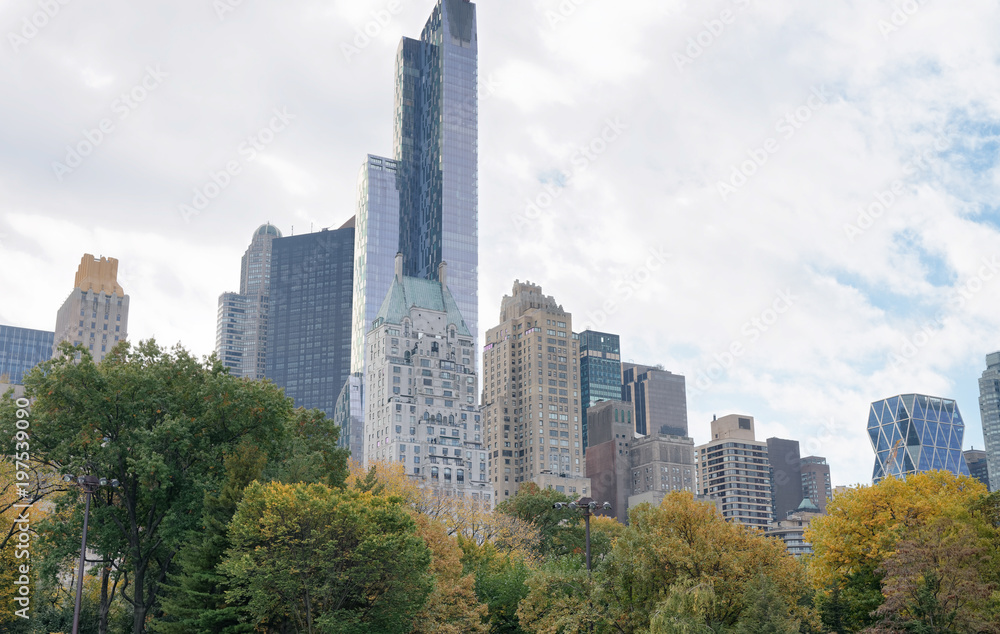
<point x="978" y="466"/>
<point x="421" y="407"/>
<point x="792" y="528"/>
<point x="531" y="396"/>
<point x="21" y="349"/>
<point x="436" y="146"/>
<point x="349" y="414"/>
<point x="913" y="433"/>
<point x="816" y="485"/>
<point x="662" y="462"/>
<point x="241" y="327"/>
<point x="309" y="321"/>
<point x="600" y="372"/>
<point x="733" y="467"/>
<point x="95" y="314"/>
<point x="786" y="476"/>
<point x="989" y="408"/>
<point x="608" y="457"/>
<point x="660" y="398"/>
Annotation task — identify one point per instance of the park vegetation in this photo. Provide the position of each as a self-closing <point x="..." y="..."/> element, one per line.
<point x="237" y="513"/>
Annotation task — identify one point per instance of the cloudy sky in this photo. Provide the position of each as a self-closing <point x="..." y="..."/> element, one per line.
<point x="793" y="204"/>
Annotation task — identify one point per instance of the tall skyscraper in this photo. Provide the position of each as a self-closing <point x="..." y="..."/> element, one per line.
<point x="241" y="332"/>
<point x="608" y="456"/>
<point x="531" y="396"/>
<point x="734" y="468"/>
<point x="600" y="371"/>
<point x="912" y="433"/>
<point x="436" y="140"/>
<point x="786" y="476"/>
<point x="421" y="406"/>
<point x="309" y="322"/>
<point x="96" y="313"/>
<point x="21" y="349"/>
<point x="816" y="485"/>
<point x="660" y="398"/>
<point x="989" y="408"/>
<point x="978" y="466"/>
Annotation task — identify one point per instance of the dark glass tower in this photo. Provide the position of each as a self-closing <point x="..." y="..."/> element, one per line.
<point x="600" y="371"/>
<point x="989" y="409"/>
<point x="309" y="324"/>
<point x="786" y="476"/>
<point x="660" y="399"/>
<point x="436" y="141"/>
<point x="21" y="349"/>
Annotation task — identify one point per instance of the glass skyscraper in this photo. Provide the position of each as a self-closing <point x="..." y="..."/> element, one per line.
<point x="989" y="408"/>
<point x="309" y="324"/>
<point x="21" y="349"/>
<point x="912" y="433"/>
<point x="600" y="371"/>
<point x="436" y="145"/>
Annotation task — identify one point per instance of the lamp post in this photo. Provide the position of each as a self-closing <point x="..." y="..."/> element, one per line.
<point x="587" y="507"/>
<point x="90" y="484"/>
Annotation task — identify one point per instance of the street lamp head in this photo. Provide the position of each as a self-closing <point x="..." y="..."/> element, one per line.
<point x="103" y="482"/>
<point x="572" y="505"/>
<point x="80" y="479"/>
<point x="607" y="506"/>
<point x="557" y="506"/>
<point x="115" y="483"/>
<point x="67" y="478"/>
<point x="592" y="505"/>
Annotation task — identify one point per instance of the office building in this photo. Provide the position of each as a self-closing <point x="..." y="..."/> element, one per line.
<point x="349" y="414"/>
<point x="662" y="462"/>
<point x="600" y="372"/>
<point x="531" y="396"/>
<point x="733" y="468"/>
<point x="95" y="315"/>
<point x="978" y="466"/>
<point x="816" y="485"/>
<point x="241" y="321"/>
<point x="913" y="433"/>
<point x="21" y="349"/>
<point x="421" y="404"/>
<point x="660" y="398"/>
<point x="989" y="408"/>
<point x="309" y="321"/>
<point x="608" y="461"/>
<point x="786" y="476"/>
<point x="436" y="147"/>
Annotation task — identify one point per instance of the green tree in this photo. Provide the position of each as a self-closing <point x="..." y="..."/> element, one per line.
<point x="309" y="558"/>
<point x="158" y="421"/>
<point x="561" y="529"/>
<point x="501" y="578"/>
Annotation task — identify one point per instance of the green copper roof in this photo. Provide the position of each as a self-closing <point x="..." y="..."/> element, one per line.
<point x="419" y="293"/>
<point x="807" y="505"/>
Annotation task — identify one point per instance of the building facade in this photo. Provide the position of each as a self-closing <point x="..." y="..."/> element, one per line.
<point x="95" y="315"/>
<point x="531" y="396"/>
<point x="421" y="407"/>
<point x="608" y="461"/>
<point x="913" y="433"/>
<point x="662" y="462"/>
<point x="989" y="408"/>
<point x="241" y="325"/>
<point x="436" y="147"/>
<point x="21" y="349"/>
<point x="786" y="476"/>
<point x="816" y="485"/>
<point x="792" y="529"/>
<point x="600" y="372"/>
<point x="660" y="398"/>
<point x="309" y="322"/>
<point x="349" y="414"/>
<point x="978" y="466"/>
<point x="734" y="468"/>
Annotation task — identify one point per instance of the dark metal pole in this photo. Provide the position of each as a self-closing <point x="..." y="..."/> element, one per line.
<point x="79" y="579"/>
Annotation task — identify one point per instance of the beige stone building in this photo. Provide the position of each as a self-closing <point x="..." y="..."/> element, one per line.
<point x="96" y="313"/>
<point x="734" y="468"/>
<point x="531" y="396"/>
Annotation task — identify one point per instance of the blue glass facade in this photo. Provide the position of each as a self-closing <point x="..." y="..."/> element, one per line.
<point x="436" y="144"/>
<point x="912" y="433"/>
<point x="600" y="371"/>
<point x="989" y="409"/>
<point x="21" y="349"/>
<point x="660" y="399"/>
<point x="309" y="324"/>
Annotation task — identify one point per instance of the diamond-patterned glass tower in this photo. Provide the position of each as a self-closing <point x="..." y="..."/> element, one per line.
<point x="912" y="433"/>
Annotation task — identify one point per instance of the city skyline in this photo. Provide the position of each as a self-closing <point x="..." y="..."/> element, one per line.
<point x="828" y="309"/>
